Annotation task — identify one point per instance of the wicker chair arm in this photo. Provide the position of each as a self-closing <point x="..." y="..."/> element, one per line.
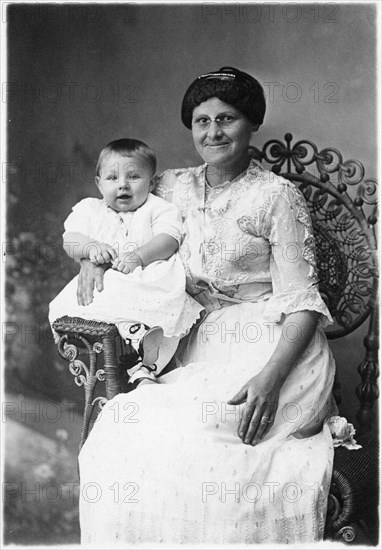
<point x="84" y="326"/>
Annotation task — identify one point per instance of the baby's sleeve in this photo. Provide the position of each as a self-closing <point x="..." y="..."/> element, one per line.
<point x="80" y="218"/>
<point x="293" y="261"/>
<point x="166" y="219"/>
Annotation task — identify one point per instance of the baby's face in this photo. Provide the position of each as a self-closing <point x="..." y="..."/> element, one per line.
<point x="124" y="182"/>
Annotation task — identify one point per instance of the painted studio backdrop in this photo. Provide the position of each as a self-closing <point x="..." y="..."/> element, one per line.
<point x="80" y="76"/>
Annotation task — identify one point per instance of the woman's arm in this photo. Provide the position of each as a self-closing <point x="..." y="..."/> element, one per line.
<point x="90" y="275"/>
<point x="261" y="393"/>
<point x="78" y="247"/>
<point x="160" y="247"/>
<point x="294" y="281"/>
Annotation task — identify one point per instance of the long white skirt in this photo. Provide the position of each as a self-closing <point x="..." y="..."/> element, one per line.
<point x="164" y="464"/>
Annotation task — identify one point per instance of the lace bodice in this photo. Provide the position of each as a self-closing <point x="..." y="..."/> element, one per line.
<point x="246" y="240"/>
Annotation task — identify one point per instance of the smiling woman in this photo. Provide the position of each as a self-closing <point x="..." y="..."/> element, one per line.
<point x="223" y="110"/>
<point x="234" y="447"/>
<point x="221" y="136"/>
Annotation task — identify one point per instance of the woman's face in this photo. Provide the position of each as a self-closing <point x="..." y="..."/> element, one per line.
<point x="226" y="144"/>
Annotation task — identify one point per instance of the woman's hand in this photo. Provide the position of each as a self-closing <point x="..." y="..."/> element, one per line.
<point x="261" y="395"/>
<point x="262" y="392"/>
<point x="89" y="276"/>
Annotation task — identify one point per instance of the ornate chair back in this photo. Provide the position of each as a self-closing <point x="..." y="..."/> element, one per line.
<point x="343" y="207"/>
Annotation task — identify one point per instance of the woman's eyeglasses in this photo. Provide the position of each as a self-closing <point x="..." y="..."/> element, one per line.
<point x="223" y="121"/>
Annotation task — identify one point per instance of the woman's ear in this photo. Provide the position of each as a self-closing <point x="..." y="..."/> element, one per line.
<point x="255" y="127"/>
<point x="96" y="179"/>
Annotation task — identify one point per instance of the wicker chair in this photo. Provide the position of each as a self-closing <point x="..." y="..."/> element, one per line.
<point x="343" y="207"/>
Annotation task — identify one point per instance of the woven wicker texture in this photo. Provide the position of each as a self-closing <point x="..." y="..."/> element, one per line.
<point x="83" y="326"/>
<point x="356" y="481"/>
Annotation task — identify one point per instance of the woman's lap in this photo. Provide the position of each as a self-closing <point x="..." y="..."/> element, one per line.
<point x="176" y="444"/>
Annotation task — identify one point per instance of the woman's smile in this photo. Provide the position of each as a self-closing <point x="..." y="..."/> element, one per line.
<point x="214" y="145"/>
<point x="221" y="135"/>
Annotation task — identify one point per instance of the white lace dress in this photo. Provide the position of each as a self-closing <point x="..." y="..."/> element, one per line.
<point x="154" y="295"/>
<point x="164" y="464"/>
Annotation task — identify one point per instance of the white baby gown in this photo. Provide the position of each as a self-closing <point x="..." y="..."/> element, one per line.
<point x="164" y="464"/>
<point x="154" y="295"/>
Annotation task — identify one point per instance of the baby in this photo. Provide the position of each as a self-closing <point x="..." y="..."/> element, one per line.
<point x="137" y="235"/>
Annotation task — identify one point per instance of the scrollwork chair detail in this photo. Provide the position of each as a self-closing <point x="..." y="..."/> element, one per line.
<point x="343" y="207"/>
<point x="94" y="339"/>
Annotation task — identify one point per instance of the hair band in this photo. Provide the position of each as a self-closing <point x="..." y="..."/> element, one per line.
<point x="219" y="76"/>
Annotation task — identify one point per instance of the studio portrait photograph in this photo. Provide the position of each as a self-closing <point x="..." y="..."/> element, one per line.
<point x="190" y="266"/>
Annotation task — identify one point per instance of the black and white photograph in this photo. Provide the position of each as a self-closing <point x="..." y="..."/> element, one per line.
<point x="190" y="250"/>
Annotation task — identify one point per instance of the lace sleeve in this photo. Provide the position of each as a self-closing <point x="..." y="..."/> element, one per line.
<point x="293" y="259"/>
<point x="165" y="184"/>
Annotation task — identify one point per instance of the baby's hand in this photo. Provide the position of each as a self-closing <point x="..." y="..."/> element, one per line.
<point x="127" y="262"/>
<point x="101" y="253"/>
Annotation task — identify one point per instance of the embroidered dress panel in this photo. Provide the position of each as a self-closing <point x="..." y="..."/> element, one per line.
<point x="250" y="239"/>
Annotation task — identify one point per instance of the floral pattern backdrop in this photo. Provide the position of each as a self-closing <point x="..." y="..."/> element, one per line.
<point x="40" y="477"/>
<point x="36" y="269"/>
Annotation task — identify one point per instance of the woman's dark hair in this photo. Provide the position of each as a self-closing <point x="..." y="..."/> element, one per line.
<point x="230" y="85"/>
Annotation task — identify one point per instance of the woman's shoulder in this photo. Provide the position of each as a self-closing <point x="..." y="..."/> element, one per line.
<point x="283" y="189"/>
<point x="265" y="177"/>
<point x="269" y="183"/>
<point x="172" y="177"/>
<point x="177" y="172"/>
